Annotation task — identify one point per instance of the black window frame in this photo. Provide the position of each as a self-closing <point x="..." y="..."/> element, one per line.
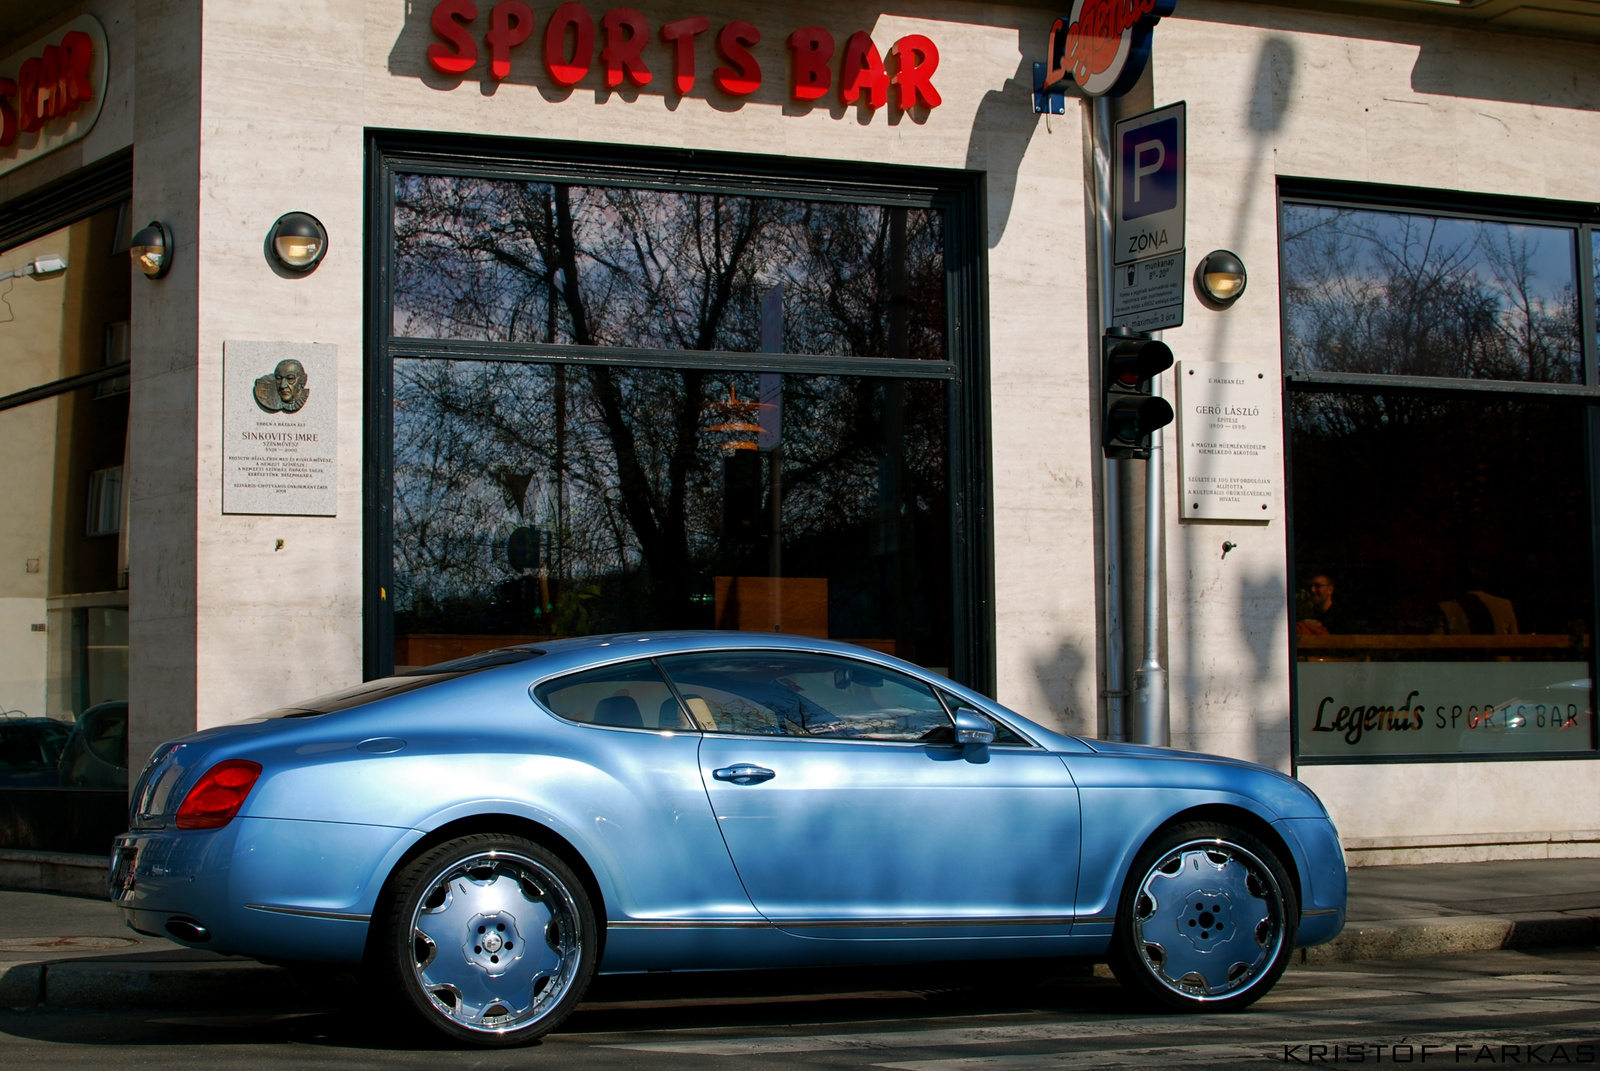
<point x="1584" y="219"/>
<point x="959" y="194"/>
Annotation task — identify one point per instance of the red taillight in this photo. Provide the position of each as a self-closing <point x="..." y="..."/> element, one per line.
<point x="217" y="796"/>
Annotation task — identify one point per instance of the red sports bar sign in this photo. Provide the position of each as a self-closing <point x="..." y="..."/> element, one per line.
<point x="48" y="86"/>
<point x="818" y="66"/>
<point x="51" y="91"/>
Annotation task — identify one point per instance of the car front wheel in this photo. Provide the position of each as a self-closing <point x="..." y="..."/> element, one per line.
<point x="491" y="939"/>
<point x="1207" y="919"/>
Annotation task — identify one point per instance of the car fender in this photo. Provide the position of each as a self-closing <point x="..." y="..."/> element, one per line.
<point x="1118" y="822"/>
<point x="598" y="856"/>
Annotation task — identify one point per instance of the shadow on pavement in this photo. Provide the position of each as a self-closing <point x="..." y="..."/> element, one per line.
<point x="617" y="1006"/>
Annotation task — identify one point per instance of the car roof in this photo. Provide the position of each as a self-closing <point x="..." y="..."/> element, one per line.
<point x="574" y="652"/>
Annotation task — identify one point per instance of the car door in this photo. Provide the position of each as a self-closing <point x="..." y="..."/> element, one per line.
<point x="850" y="813"/>
<point x="636" y="791"/>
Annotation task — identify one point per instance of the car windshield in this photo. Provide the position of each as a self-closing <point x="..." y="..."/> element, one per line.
<point x="407" y="681"/>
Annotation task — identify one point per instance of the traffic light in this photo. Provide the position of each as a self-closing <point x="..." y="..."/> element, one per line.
<point x="1129" y="413"/>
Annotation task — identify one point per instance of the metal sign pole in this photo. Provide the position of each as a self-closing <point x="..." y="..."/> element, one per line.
<point x="1150" y="703"/>
<point x="1116" y="688"/>
<point x="1147" y="222"/>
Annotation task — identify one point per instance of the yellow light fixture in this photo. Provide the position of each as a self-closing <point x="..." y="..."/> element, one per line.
<point x="1220" y="279"/>
<point x="298" y="242"/>
<point x="151" y="250"/>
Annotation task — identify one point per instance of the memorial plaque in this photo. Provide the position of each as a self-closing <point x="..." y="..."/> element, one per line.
<point x="280" y="428"/>
<point x="1228" y="467"/>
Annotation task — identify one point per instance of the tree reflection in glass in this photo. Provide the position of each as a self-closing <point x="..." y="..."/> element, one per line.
<point x="509" y="261"/>
<point x="1399" y="293"/>
<point x="639" y="505"/>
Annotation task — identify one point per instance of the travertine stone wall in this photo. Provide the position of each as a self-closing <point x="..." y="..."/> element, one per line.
<point x="260" y="109"/>
<point x="164" y="420"/>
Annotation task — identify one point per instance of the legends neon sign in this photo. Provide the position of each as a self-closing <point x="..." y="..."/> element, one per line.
<point x="568" y="51"/>
<point x="1103" y="46"/>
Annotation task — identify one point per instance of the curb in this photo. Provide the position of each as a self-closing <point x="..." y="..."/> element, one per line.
<point x="1434" y="936"/>
<point x="129" y="983"/>
<point x="54" y="872"/>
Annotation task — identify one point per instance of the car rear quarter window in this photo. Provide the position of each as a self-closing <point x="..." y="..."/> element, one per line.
<point x="784" y="693"/>
<point x="631" y="695"/>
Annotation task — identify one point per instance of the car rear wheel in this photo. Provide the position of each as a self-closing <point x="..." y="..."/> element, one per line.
<point x="491" y="939"/>
<point x="1206" y="921"/>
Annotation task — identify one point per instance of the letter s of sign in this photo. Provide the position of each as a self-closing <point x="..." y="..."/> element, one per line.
<point x="743" y="75"/>
<point x="449" y="21"/>
<point x="510" y="23"/>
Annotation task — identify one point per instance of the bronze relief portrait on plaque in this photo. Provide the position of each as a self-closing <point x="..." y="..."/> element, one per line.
<point x="285" y="390"/>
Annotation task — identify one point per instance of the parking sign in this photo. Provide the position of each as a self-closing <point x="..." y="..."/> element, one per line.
<point x="1148" y="185"/>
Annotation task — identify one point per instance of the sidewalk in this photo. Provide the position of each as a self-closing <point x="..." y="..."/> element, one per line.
<point x="1398" y="912"/>
<point x="65" y="951"/>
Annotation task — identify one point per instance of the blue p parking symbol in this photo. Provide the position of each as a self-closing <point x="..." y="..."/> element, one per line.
<point x="1147" y="164"/>
<point x="1150" y="159"/>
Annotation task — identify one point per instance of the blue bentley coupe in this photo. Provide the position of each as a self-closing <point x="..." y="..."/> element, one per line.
<point x="484" y="835"/>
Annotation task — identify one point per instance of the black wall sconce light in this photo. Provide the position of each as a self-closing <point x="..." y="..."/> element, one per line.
<point x="152" y="249"/>
<point x="298" y="242"/>
<point x="1219" y="279"/>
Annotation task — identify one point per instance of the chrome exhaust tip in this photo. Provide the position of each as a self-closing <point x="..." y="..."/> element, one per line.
<point x="188" y="930"/>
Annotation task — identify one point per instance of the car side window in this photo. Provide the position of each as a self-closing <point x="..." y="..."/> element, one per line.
<point x="782" y="693"/>
<point x="631" y="696"/>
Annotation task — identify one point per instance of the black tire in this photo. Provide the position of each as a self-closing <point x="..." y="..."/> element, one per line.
<point x="489" y="939"/>
<point x="1206" y="921"/>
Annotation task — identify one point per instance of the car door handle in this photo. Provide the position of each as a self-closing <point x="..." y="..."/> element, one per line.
<point x="744" y="774"/>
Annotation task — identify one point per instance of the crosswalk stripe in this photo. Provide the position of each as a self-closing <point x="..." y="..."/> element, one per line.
<point x="1263" y="1019"/>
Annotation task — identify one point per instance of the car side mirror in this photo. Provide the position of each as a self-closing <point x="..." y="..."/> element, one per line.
<point x="972" y="727"/>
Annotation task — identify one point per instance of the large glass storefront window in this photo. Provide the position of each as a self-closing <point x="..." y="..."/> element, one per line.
<point x="1443" y="536"/>
<point x="661" y="405"/>
<point x="64" y="301"/>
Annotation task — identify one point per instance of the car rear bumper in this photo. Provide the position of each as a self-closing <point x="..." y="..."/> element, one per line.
<point x="261" y="887"/>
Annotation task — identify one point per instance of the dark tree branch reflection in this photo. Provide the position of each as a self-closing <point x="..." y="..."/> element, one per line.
<point x="1402" y="294"/>
<point x="619" y="467"/>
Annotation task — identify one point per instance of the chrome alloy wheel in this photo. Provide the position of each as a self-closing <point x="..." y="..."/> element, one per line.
<point x="496" y="942"/>
<point x="1208" y="920"/>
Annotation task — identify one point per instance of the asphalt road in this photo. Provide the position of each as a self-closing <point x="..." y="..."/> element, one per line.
<point x="1485" y="1010"/>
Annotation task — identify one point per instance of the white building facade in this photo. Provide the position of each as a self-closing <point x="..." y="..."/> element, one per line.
<point x="729" y="348"/>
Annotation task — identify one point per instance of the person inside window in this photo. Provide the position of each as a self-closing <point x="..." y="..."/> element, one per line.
<point x="1325" y="616"/>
